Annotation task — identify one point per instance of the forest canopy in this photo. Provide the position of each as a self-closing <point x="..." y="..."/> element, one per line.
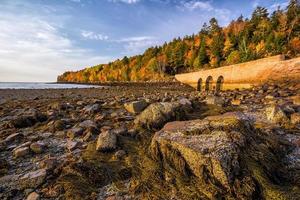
<point x="264" y="34"/>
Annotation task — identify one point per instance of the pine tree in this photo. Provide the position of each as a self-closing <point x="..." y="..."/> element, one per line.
<point x="202" y="57"/>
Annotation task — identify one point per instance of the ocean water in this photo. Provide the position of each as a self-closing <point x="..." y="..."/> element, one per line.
<point x="27" y="85"/>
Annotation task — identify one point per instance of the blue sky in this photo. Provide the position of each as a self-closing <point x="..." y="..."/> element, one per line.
<point x="40" y="39"/>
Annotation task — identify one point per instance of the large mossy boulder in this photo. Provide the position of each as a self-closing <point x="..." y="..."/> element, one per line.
<point x="225" y="154"/>
<point x="157" y="114"/>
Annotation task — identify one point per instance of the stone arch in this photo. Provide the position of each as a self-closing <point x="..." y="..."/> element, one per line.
<point x="219" y="85"/>
<point x="199" y="85"/>
<point x="208" y="83"/>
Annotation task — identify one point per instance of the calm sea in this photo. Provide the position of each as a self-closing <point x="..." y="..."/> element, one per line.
<point x="27" y="85"/>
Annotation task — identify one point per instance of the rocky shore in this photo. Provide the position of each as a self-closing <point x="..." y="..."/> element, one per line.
<point x="150" y="141"/>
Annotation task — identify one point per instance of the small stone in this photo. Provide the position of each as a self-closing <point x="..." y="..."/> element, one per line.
<point x="49" y="163"/>
<point x="33" y="179"/>
<point x="214" y="100"/>
<point x="91" y="109"/>
<point x="295" y="118"/>
<point x="33" y="196"/>
<point x="185" y="101"/>
<point x="75" y="132"/>
<point x="107" y="141"/>
<point x="88" y="124"/>
<point x="136" y="106"/>
<point x="276" y="115"/>
<point x="21" y="152"/>
<point x="120" y="131"/>
<point x="296" y="100"/>
<point x="59" y="125"/>
<point x="120" y="154"/>
<point x="236" y="102"/>
<point x="37" y="147"/>
<point x="71" y="145"/>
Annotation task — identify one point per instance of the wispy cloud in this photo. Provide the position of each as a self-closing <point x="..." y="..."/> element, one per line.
<point x="36" y="49"/>
<point x="274" y="6"/>
<point x="93" y="36"/>
<point x="193" y="5"/>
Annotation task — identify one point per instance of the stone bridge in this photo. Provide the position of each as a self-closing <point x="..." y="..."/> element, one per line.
<point x="243" y="75"/>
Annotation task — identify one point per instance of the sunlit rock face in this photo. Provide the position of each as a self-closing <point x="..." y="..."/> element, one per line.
<point x="225" y="154"/>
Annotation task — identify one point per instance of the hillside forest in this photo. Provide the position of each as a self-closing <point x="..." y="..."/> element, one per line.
<point x="264" y="34"/>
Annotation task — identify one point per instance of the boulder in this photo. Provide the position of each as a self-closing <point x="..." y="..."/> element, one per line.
<point x="136" y="106"/>
<point x="275" y="114"/>
<point x="157" y="114"/>
<point x="32" y="179"/>
<point x="208" y="149"/>
<point x="107" y="141"/>
<point x="27" y="118"/>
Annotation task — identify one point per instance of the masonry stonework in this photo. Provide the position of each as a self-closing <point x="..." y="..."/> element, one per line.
<point x="244" y="75"/>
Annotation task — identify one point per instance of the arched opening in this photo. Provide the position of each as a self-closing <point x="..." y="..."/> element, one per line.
<point x="199" y="85"/>
<point x="219" y="85"/>
<point x="208" y="83"/>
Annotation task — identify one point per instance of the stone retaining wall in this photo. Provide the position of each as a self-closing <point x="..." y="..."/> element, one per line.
<point x="244" y="75"/>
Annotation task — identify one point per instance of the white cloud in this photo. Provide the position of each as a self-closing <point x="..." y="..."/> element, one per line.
<point x="274" y="6"/>
<point x="193" y="5"/>
<point x="93" y="36"/>
<point x="34" y="49"/>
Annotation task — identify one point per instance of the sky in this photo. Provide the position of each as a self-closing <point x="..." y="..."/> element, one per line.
<point x="40" y="39"/>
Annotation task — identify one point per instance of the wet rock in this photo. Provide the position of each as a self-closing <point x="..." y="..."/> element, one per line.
<point x="75" y="132"/>
<point x="33" y="196"/>
<point x="107" y="141"/>
<point x="27" y="118"/>
<point x="33" y="179"/>
<point x="91" y="109"/>
<point x="276" y="115"/>
<point x="21" y="152"/>
<point x="214" y="100"/>
<point x="295" y="118"/>
<point x="157" y="114"/>
<point x="38" y="147"/>
<point x="136" y="106"/>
